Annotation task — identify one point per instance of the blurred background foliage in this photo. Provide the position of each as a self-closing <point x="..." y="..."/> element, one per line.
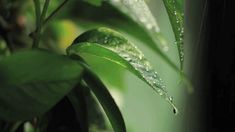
<point x="143" y="111"/>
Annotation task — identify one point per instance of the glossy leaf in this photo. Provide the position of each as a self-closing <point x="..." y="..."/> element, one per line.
<point x="175" y="12"/>
<point x="112" y="46"/>
<point x="31" y="82"/>
<point x="89" y="17"/>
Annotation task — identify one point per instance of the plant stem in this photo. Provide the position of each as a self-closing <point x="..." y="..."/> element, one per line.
<point x="41" y="20"/>
<point x="55" y="11"/>
<point x="40" y="23"/>
<point x="37" y="11"/>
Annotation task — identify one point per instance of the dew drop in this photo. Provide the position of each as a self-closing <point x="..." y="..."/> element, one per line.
<point x="149" y="26"/>
<point x="142" y="19"/>
<point x="165" y="48"/>
<point x="175" y="12"/>
<point x="175" y="111"/>
<point x="171" y="99"/>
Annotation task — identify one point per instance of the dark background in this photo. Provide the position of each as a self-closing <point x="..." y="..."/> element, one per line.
<point x="218" y="72"/>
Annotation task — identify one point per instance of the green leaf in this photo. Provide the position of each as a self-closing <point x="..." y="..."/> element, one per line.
<point x="31" y="82"/>
<point x="139" y="11"/>
<point x="175" y="12"/>
<point x="94" y="2"/>
<point x="89" y="17"/>
<point x="112" y="46"/>
<point x="77" y="99"/>
<point x="4" y="51"/>
<point x="106" y="101"/>
<point x="104" y="97"/>
<point x="87" y="109"/>
<point x="10" y="126"/>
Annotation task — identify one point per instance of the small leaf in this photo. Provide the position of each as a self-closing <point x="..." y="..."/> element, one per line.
<point x="31" y="82"/>
<point x="112" y="46"/>
<point x="175" y="12"/>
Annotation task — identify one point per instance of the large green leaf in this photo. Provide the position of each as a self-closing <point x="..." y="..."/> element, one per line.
<point x="89" y="17"/>
<point x="112" y="46"/>
<point x="175" y="12"/>
<point x="31" y="82"/>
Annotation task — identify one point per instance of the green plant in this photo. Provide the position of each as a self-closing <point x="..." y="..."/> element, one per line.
<point x="40" y="77"/>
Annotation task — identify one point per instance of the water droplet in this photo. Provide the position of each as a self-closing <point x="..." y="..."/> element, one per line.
<point x="154" y="75"/>
<point x="139" y="11"/>
<point x="142" y="19"/>
<point x="149" y="26"/>
<point x="175" y="12"/>
<point x="175" y="111"/>
<point x="171" y="99"/>
<point x="165" y="48"/>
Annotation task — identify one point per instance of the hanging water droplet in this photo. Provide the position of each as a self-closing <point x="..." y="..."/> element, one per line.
<point x="175" y="111"/>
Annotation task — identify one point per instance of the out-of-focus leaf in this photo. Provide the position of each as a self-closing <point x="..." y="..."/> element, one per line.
<point x="63" y="118"/>
<point x="4" y="51"/>
<point x="94" y="2"/>
<point x="176" y="15"/>
<point x="87" y="109"/>
<point x="112" y="46"/>
<point x="139" y="11"/>
<point x="103" y="96"/>
<point x="106" y="101"/>
<point x="77" y="99"/>
<point x="64" y="32"/>
<point x="10" y="126"/>
<point x="31" y="82"/>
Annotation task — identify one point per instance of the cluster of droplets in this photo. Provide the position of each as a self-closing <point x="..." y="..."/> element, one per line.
<point x="180" y="30"/>
<point x="139" y="11"/>
<point x="130" y="53"/>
